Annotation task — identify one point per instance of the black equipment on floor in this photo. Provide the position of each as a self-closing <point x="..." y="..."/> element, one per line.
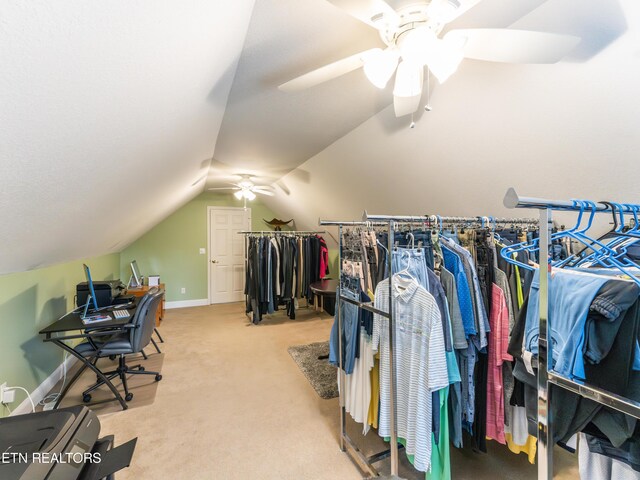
<point x="59" y="444"/>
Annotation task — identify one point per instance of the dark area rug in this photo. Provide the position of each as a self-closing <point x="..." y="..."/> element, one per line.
<point x="320" y="373"/>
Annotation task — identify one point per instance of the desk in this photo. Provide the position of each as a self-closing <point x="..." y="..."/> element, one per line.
<point x="141" y="291"/>
<point x="322" y="288"/>
<point x="62" y="330"/>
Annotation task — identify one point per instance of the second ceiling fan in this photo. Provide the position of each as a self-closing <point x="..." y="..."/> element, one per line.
<point x="246" y="189"/>
<point x="412" y="38"/>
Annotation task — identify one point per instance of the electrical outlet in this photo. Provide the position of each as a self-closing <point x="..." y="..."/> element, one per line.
<point x="202" y="251"/>
<point x="6" y="396"/>
<point x="183" y="290"/>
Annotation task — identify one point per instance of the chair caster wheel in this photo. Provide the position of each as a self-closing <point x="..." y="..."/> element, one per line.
<point x="128" y="397"/>
<point x="86" y="398"/>
<point x="158" y="377"/>
<point x="142" y="369"/>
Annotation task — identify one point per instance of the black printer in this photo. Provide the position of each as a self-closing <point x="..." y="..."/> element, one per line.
<point x="59" y="444"/>
<point x="107" y="292"/>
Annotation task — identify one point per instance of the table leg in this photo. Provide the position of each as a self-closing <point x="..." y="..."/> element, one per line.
<point x="87" y="364"/>
<point x="69" y="384"/>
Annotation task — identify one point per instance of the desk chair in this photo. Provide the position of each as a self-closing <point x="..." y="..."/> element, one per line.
<point x="143" y="323"/>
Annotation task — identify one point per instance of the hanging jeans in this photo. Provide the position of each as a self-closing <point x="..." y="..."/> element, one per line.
<point x="402" y="239"/>
<point x="412" y="260"/>
<point x="350" y="326"/>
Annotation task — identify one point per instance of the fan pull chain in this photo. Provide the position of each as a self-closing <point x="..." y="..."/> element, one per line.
<point x="427" y="107"/>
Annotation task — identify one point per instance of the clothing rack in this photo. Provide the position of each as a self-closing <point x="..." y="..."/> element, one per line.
<point x="346" y="443"/>
<point x="546" y="377"/>
<point x="248" y="233"/>
<point x="282" y="232"/>
<point x="391" y="222"/>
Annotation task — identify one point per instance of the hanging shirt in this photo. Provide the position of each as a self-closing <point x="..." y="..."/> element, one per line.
<point x="451" y="292"/>
<point x="483" y="320"/>
<point x="324" y="258"/>
<point x="498" y="343"/>
<point x="453" y="263"/>
<point x="420" y="363"/>
<point x="357" y="386"/>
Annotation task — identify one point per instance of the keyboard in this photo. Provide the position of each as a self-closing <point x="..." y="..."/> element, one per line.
<point x="118" y="314"/>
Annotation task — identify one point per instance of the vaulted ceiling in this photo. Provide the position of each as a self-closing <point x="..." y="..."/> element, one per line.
<point x="114" y="114"/>
<point x="110" y="113"/>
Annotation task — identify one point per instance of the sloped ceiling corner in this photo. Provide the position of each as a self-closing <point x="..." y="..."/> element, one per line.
<point x="563" y="131"/>
<point x="110" y="114"/>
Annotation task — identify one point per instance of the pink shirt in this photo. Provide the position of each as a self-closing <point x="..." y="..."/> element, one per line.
<point x="498" y="343"/>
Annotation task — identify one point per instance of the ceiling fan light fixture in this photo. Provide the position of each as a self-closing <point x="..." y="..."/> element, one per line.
<point x="446" y="58"/>
<point x="239" y="194"/>
<point x="409" y="77"/>
<point x="380" y="65"/>
<point x="249" y="195"/>
<point x="418" y="44"/>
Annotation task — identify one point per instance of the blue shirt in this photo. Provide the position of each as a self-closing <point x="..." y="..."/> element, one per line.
<point x="453" y="263"/>
<point x="570" y="296"/>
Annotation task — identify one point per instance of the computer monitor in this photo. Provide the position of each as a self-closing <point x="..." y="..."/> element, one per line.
<point x="136" y="277"/>
<point x="92" y="301"/>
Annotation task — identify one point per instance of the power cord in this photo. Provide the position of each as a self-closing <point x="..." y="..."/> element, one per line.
<point x="53" y="397"/>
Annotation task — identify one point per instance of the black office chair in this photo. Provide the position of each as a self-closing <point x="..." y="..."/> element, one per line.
<point x="143" y="323"/>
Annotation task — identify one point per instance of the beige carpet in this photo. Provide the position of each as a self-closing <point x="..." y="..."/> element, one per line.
<point x="143" y="387"/>
<point x="234" y="405"/>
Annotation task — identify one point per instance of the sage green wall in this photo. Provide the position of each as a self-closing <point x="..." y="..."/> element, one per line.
<point x="171" y="248"/>
<point x="29" y="301"/>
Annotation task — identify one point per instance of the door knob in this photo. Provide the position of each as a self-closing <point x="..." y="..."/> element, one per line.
<point x="214" y="261"/>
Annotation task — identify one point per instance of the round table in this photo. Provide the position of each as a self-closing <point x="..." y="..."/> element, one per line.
<point x="323" y="288"/>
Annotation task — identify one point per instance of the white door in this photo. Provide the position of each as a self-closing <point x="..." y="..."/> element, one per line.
<point x="226" y="253"/>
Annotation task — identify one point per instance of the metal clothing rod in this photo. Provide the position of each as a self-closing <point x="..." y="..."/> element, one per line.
<point x="513" y="200"/>
<point x="350" y="224"/>
<point x="281" y="232"/>
<point x="366" y="306"/>
<point x="596" y="394"/>
<point x="443" y="219"/>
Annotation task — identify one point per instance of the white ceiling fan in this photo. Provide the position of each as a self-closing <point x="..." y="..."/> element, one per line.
<point x="412" y="37"/>
<point x="246" y="189"/>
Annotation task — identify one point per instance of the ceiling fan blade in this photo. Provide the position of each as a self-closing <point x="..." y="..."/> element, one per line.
<point x="265" y="187"/>
<point x="263" y="192"/>
<point x="514" y="46"/>
<point x="405" y="105"/>
<point x="376" y="13"/>
<point x="444" y="11"/>
<point x="328" y="72"/>
<point x="407" y="90"/>
<point x="224" y="188"/>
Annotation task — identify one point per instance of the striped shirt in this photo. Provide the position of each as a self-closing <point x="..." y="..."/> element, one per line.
<point x="420" y="363"/>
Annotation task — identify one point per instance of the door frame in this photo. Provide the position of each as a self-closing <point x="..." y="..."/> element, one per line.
<point x="248" y="227"/>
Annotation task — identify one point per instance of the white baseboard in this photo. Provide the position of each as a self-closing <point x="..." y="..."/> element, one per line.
<point x="45" y="387"/>
<point x="201" y="302"/>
